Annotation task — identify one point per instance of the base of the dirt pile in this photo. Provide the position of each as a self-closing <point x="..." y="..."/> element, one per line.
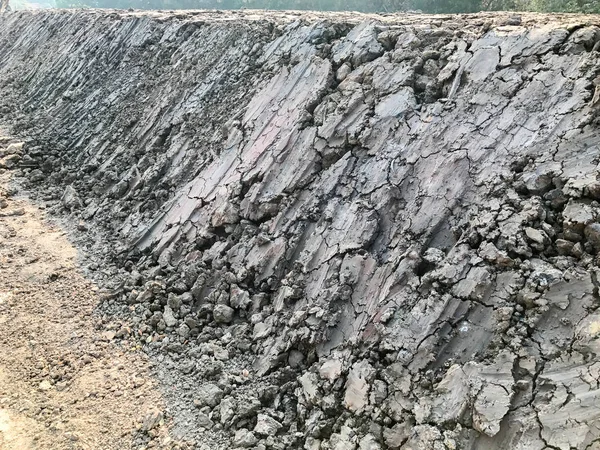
<point x="66" y="380"/>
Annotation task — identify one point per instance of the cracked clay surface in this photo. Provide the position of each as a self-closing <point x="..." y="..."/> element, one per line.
<point x="329" y="231"/>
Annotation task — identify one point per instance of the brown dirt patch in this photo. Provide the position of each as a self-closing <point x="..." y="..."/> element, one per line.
<point x="65" y="382"/>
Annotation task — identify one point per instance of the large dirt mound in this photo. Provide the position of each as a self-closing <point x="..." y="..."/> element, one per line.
<point x="332" y="231"/>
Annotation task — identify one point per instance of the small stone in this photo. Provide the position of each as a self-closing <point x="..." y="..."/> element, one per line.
<point x="396" y="436"/>
<point x="343" y="72"/>
<point x="379" y="392"/>
<point x="227" y="213"/>
<point x="244" y="438"/>
<point x="227" y="410"/>
<point x="556" y="197"/>
<point x="344" y="440"/>
<point x="331" y="369"/>
<point x="109" y="335"/>
<point x="72" y="437"/>
<point x="266" y="425"/>
<point x="191" y="322"/>
<point x="527" y="299"/>
<point x="261" y="330"/>
<point x="14" y="212"/>
<point x="37" y="175"/>
<point x="310" y="387"/>
<point x="119" y="189"/>
<point x="174" y="302"/>
<point x="513" y="21"/>
<point x="10" y="161"/>
<point x="594" y="190"/>
<point x="152" y="420"/>
<point x="239" y="298"/>
<point x="369" y="443"/>
<point x="329" y="404"/>
<point x="221" y="354"/>
<point x="489" y="252"/>
<point x="571" y="235"/>
<point x="491" y="405"/>
<point x="209" y="395"/>
<point x="576" y="216"/>
<point x="223" y="314"/>
<point x="312" y="444"/>
<point x="70" y="199"/>
<point x="45" y="385"/>
<point x="577" y="251"/>
<point x="536" y="236"/>
<point x="14" y="148"/>
<point x="357" y="386"/>
<point x="295" y="358"/>
<point x="169" y="317"/>
<point x="249" y="407"/>
<point x="592" y="234"/>
<point x="204" y="421"/>
<point x="536" y="182"/>
<point x="184" y="331"/>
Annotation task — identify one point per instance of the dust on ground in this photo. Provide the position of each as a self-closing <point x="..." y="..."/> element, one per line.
<point x="64" y="381"/>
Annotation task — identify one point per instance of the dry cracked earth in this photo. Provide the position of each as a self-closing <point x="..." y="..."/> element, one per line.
<point x="321" y="231"/>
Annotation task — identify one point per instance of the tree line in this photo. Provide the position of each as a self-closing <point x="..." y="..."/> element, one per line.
<point x="425" y="6"/>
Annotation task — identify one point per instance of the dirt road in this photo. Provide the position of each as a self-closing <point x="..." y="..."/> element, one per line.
<point x="65" y="383"/>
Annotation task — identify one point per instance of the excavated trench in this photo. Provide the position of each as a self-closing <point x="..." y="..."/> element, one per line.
<point x="330" y="231"/>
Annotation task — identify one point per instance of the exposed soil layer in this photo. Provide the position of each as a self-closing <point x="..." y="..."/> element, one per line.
<point x="330" y="231"/>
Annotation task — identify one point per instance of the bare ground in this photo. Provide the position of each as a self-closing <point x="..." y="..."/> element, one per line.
<point x="64" y="381"/>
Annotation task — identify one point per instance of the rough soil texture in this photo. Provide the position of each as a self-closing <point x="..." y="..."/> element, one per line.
<point x="65" y="383"/>
<point x="330" y="231"/>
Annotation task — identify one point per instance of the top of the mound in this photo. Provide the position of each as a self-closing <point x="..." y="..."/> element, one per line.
<point x="511" y="20"/>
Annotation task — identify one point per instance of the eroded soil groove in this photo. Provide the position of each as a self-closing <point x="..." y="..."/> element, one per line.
<point x="330" y="231"/>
